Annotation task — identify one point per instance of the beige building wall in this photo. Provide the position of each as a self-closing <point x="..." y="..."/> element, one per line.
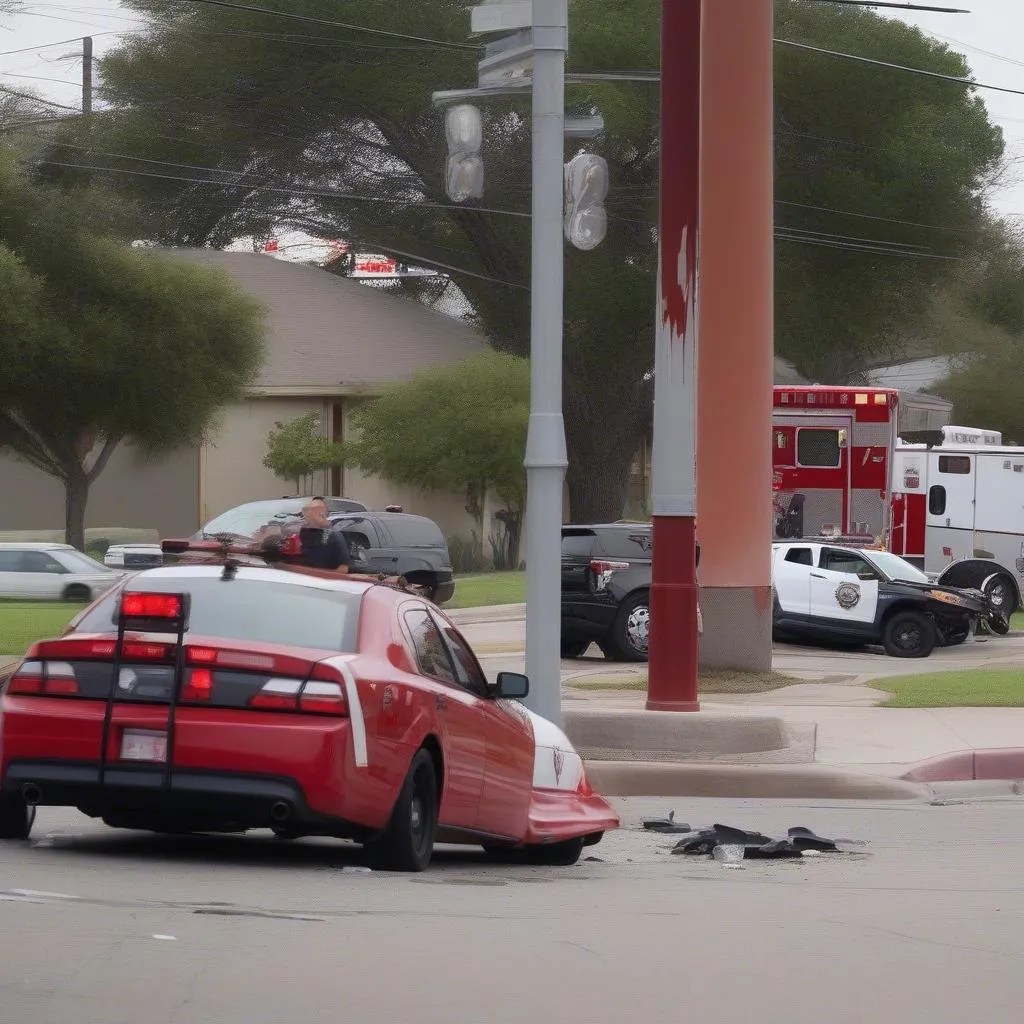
<point x="131" y="493"/>
<point x="232" y="470"/>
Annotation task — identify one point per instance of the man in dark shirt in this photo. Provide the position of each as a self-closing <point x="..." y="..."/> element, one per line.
<point x="322" y="547"/>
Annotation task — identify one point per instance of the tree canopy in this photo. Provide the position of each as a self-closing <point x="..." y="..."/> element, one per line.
<point x="298" y="448"/>
<point x="248" y="122"/>
<point x="459" y="427"/>
<point x="101" y="342"/>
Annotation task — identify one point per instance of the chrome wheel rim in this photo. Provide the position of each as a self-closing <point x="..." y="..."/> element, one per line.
<point x="638" y="627"/>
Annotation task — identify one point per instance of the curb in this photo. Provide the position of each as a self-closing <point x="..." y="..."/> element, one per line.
<point x="489" y="613"/>
<point x="755" y="782"/>
<point x="991" y="764"/>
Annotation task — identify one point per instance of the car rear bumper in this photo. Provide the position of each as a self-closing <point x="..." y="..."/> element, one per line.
<point x="141" y="796"/>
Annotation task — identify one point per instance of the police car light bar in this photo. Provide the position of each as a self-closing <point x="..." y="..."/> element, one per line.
<point x="153" y="612"/>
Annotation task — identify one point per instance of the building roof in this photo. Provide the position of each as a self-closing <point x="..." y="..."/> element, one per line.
<point x="326" y="333"/>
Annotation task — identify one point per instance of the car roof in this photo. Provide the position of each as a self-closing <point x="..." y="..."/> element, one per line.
<point x="569" y="527"/>
<point x="249" y="572"/>
<point x="34" y="545"/>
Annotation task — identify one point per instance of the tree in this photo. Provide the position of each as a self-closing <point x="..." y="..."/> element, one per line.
<point x="455" y="427"/>
<point x="297" y="449"/>
<point x="981" y="325"/>
<point x="333" y="131"/>
<point x="101" y="343"/>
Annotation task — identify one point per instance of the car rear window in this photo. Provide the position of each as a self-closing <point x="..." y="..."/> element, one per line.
<point x="578" y="543"/>
<point x="250" y="610"/>
<point x="632" y="544"/>
<point x="413" y="533"/>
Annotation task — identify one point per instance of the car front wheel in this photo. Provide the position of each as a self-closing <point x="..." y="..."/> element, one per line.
<point x="909" y="634"/>
<point x="408" y="842"/>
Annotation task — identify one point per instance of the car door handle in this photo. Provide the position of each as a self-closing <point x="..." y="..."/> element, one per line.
<point x="817" y="576"/>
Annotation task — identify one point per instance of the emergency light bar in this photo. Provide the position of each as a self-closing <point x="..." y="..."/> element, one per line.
<point x="154" y="613"/>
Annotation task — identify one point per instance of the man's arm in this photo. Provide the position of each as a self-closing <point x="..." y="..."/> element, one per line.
<point x="337" y="548"/>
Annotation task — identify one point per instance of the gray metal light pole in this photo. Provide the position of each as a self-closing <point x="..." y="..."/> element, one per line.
<point x="546" y="459"/>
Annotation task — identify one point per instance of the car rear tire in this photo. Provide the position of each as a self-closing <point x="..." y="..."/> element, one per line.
<point x="408" y="841"/>
<point x="77" y="592"/>
<point x="630" y="633"/>
<point x="559" y="855"/>
<point x="909" y="634"/>
<point x="572" y="649"/>
<point x="16" y="818"/>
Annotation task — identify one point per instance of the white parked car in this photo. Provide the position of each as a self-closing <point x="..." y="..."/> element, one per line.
<point x="52" y="572"/>
<point x="134" y="556"/>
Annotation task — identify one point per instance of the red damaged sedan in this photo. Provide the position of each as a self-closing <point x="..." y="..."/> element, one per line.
<point x="226" y="697"/>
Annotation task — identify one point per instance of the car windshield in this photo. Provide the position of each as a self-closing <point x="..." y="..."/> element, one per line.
<point x="249" y="610"/>
<point x="896" y="568"/>
<point x="245" y="520"/>
<point x="77" y="562"/>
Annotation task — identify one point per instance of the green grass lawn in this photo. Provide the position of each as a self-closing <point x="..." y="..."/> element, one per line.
<point x="24" y="622"/>
<point x="1017" y="621"/>
<point x="489" y="588"/>
<point x="980" y="688"/>
<point x="723" y="681"/>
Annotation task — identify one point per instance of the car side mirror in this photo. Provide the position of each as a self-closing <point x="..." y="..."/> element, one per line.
<point x="512" y="686"/>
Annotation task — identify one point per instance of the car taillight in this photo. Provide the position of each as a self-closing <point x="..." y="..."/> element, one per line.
<point x="603" y="569"/>
<point x="199" y="686"/>
<point x="323" y="699"/>
<point x="44" y="678"/>
<point x="277" y="695"/>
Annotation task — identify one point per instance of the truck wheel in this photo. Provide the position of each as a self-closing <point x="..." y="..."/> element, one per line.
<point x="630" y="633"/>
<point x="909" y="634"/>
<point x="1000" y="591"/>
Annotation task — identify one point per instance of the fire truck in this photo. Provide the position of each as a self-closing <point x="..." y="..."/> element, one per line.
<point x="880" y="466"/>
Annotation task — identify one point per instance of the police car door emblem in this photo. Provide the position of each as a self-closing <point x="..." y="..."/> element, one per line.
<point x="848" y="595"/>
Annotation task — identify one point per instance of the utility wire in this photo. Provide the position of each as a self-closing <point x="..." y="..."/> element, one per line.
<point x="866" y="248"/>
<point x="899" y="67"/>
<point x="295" y="191"/>
<point x="444" y="43"/>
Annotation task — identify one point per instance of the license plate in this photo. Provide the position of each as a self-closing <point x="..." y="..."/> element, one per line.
<point x="143" y="745"/>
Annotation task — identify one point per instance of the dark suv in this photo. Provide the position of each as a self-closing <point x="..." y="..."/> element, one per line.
<point x="606" y="581"/>
<point x="399" y="544"/>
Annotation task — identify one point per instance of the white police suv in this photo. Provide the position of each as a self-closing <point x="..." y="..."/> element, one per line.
<point x="838" y="593"/>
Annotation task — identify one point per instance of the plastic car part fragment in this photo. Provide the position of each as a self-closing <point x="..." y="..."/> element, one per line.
<point x="666" y="825"/>
<point x="756" y="845"/>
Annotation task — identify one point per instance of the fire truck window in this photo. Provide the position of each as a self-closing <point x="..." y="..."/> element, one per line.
<point x="954" y="464"/>
<point x="818" y="448"/>
<point x="802" y="556"/>
<point x="936" y="500"/>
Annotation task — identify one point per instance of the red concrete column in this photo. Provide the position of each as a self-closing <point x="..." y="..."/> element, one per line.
<point x="736" y="365"/>
<point x="672" y="671"/>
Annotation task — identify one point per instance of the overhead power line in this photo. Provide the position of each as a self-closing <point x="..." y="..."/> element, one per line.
<point x="899" y="7"/>
<point x="445" y="43"/>
<point x="899" y="67"/>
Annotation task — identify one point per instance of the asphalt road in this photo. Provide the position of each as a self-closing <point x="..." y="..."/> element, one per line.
<point x="924" y="923"/>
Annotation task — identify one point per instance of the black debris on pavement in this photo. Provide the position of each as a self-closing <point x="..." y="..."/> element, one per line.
<point x="667" y="825"/>
<point x="756" y="846"/>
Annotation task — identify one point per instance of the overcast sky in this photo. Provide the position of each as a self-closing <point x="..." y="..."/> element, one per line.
<point x="991" y="36"/>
